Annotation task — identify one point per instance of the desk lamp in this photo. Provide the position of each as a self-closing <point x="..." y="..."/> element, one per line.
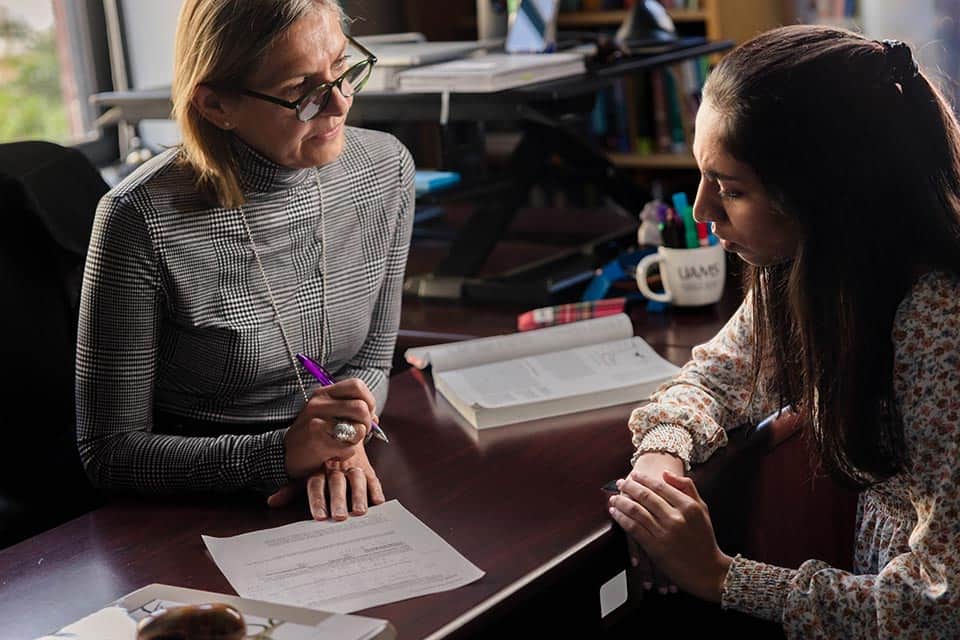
<point x="647" y="23"/>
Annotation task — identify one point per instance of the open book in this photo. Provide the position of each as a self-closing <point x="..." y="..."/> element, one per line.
<point x="547" y="372"/>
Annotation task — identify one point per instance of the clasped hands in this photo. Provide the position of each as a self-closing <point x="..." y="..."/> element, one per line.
<point x="661" y="511"/>
<point x="320" y="463"/>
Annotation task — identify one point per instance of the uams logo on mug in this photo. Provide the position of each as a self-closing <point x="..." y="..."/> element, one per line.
<point x="699" y="271"/>
<point x="691" y="277"/>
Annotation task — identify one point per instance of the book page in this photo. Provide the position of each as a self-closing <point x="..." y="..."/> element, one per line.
<point x="468" y="353"/>
<point x="572" y="372"/>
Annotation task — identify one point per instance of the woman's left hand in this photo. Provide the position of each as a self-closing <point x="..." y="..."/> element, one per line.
<point x="667" y="517"/>
<point x="355" y="473"/>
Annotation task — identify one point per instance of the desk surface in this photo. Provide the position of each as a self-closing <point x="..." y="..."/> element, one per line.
<point x="522" y="502"/>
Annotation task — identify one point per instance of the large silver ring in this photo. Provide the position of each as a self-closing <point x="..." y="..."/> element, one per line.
<point x="344" y="432"/>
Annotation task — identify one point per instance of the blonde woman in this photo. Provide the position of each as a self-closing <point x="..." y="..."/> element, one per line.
<point x="273" y="229"/>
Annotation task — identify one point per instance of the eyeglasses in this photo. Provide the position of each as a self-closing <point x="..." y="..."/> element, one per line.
<point x="314" y="101"/>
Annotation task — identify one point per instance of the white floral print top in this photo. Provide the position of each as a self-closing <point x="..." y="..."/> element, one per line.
<point x="906" y="580"/>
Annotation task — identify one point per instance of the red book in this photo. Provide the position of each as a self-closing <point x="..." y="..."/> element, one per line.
<point x="572" y="312"/>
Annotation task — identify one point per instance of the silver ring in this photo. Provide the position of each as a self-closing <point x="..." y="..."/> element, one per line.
<point x="344" y="432"/>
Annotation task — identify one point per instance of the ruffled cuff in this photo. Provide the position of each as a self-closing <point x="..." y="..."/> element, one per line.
<point x="703" y="432"/>
<point x="664" y="438"/>
<point x="756" y="588"/>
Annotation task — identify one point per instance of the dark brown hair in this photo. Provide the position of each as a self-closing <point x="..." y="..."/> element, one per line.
<point x="861" y="151"/>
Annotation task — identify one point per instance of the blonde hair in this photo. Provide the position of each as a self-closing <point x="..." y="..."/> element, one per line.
<point x="219" y="43"/>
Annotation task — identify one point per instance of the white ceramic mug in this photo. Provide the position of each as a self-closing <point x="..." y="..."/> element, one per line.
<point x="691" y="277"/>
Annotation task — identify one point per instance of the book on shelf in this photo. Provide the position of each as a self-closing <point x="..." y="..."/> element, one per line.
<point x="118" y="620"/>
<point x="428" y="181"/>
<point x="642" y="116"/>
<point x="493" y="72"/>
<point x="651" y="112"/>
<point x="671" y="92"/>
<point x="661" y="122"/>
<point x="567" y="6"/>
<point x="542" y="373"/>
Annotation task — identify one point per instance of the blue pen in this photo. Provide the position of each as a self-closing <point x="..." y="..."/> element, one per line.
<point x="325" y="379"/>
<point x="770" y="419"/>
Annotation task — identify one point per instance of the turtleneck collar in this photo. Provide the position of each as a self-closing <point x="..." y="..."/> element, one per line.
<point x="259" y="174"/>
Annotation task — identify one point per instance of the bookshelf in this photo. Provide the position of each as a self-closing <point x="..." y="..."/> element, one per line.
<point x="583" y="19"/>
<point x="719" y="19"/>
<point x="715" y="19"/>
<point x="652" y="160"/>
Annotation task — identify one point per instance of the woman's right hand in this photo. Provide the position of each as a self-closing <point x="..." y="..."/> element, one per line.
<point x="309" y="442"/>
<point x="652" y="465"/>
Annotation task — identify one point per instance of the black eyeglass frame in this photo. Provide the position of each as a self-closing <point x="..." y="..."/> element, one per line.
<point x="297" y="105"/>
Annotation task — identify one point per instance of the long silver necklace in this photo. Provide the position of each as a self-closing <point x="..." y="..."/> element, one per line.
<point x="323" y="292"/>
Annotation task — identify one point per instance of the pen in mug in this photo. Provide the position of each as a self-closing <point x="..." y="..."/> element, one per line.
<point x="325" y="380"/>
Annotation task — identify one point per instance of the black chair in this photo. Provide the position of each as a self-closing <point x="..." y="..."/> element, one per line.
<point x="48" y="196"/>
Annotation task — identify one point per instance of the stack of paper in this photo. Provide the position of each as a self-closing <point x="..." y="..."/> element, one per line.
<point x="493" y="72"/>
<point x="393" y="58"/>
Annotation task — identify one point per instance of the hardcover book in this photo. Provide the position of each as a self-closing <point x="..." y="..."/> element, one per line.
<point x="548" y="372"/>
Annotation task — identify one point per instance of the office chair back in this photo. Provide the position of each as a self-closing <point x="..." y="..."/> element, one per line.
<point x="48" y="196"/>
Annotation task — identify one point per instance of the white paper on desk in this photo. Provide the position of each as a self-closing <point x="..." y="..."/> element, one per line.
<point x="384" y="556"/>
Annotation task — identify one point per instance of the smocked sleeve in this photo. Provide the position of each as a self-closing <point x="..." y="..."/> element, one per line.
<point x="917" y="593"/>
<point x="688" y="415"/>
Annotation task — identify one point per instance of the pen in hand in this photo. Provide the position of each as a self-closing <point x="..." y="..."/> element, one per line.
<point x="325" y="380"/>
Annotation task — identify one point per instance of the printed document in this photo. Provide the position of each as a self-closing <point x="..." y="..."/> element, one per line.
<point x="384" y="556"/>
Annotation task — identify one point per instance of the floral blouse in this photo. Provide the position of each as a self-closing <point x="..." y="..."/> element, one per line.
<point x="906" y="579"/>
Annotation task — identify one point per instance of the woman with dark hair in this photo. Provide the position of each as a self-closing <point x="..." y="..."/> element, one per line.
<point x="831" y="166"/>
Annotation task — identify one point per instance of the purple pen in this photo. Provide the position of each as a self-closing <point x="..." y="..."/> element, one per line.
<point x="325" y="380"/>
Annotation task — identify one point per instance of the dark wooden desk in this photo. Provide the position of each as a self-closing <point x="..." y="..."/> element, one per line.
<point x="522" y="502"/>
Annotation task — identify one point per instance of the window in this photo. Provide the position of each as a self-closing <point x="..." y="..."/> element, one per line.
<point x="52" y="58"/>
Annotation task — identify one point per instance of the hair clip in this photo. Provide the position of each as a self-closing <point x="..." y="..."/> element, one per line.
<point x="903" y="66"/>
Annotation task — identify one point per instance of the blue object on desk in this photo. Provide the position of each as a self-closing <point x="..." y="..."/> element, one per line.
<point x="430" y="181"/>
<point x="602" y="279"/>
<point x="655" y="306"/>
<point x="620" y="268"/>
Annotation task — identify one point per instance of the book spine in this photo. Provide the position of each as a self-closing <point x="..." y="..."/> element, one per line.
<point x="677" y="141"/>
<point x="644" y="115"/>
<point x="619" y="103"/>
<point x="660" y="122"/>
<point x="630" y="112"/>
